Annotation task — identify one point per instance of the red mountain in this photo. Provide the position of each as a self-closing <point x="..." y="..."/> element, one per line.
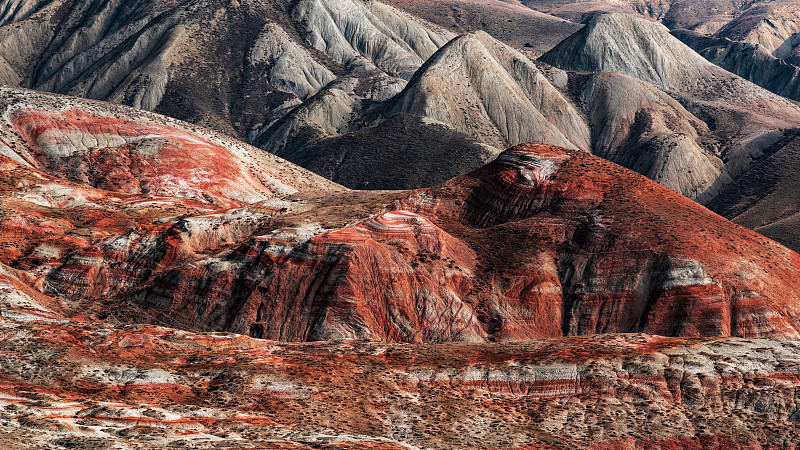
<point x="112" y="217"/>
<point x="542" y="242"/>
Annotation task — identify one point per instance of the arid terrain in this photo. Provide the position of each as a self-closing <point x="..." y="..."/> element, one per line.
<point x="501" y="224"/>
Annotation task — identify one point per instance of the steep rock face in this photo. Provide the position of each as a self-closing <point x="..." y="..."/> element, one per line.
<point x="542" y="242"/>
<point x="68" y="384"/>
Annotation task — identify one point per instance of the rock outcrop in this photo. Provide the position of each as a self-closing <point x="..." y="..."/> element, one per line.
<point x="542" y="242"/>
<point x="68" y="384"/>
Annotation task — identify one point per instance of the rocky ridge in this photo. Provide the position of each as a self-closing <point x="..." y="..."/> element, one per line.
<point x="165" y="56"/>
<point x="314" y="264"/>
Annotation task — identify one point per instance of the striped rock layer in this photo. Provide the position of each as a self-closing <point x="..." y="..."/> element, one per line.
<point x="70" y="384"/>
<point x="543" y="242"/>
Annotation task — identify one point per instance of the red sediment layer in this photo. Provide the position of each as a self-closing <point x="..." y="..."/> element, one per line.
<point x="543" y="242"/>
<point x="135" y="157"/>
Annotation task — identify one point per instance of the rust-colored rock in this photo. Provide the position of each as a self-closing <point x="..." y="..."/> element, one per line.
<point x="70" y="385"/>
<point x="543" y="242"/>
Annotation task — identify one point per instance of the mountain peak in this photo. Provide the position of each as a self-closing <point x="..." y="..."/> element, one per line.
<point x="632" y="46"/>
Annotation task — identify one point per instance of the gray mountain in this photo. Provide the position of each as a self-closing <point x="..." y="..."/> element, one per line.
<point x="233" y="65"/>
<point x="475" y="96"/>
<point x="750" y="61"/>
<point x="740" y="120"/>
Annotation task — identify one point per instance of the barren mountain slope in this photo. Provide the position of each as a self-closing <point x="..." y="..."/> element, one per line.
<point x="319" y="81"/>
<point x="750" y="61"/>
<point x="644" y="129"/>
<point x="765" y="198"/>
<point x="510" y="22"/>
<point x="774" y="26"/>
<point x="542" y="242"/>
<point x="738" y="120"/>
<point x="759" y="37"/>
<point x="488" y="95"/>
<point x="230" y="65"/>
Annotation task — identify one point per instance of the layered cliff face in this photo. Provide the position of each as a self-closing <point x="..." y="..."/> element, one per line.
<point x="67" y="385"/>
<point x="542" y="242"/>
<point x="76" y="172"/>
